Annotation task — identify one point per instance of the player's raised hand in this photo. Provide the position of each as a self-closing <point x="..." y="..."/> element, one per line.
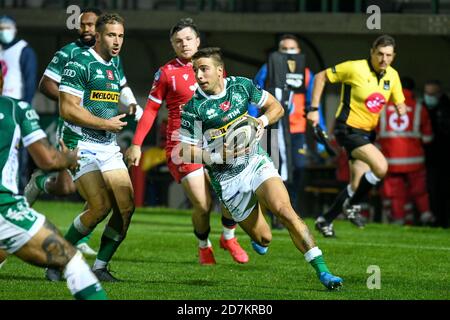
<point x="133" y="155"/>
<point x="115" y="124"/>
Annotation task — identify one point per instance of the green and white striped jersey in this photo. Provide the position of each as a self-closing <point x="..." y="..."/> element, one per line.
<point x="207" y="113"/>
<point x="97" y="83"/>
<point x="55" y="68"/>
<point x="18" y="120"/>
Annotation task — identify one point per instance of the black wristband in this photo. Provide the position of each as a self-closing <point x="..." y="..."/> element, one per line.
<point x="311" y="108"/>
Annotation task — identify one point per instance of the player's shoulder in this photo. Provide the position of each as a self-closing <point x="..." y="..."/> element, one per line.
<point x="81" y="60"/>
<point x="390" y="71"/>
<point x="238" y="80"/>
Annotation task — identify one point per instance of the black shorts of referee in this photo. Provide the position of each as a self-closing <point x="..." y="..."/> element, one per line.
<point x="351" y="138"/>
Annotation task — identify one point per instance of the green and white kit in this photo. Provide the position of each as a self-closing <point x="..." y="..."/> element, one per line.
<point x="97" y="83"/>
<point x="18" y="222"/>
<point x="236" y="181"/>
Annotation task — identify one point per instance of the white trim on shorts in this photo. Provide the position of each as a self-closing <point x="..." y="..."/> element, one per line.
<point x="195" y="173"/>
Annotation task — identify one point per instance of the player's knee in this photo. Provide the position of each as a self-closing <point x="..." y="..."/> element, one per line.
<point x="202" y="207"/>
<point x="380" y="170"/>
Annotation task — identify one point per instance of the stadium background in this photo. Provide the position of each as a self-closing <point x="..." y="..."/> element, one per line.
<point x="331" y="31"/>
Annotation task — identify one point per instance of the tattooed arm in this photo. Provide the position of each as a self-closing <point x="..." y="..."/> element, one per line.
<point x="48" y="158"/>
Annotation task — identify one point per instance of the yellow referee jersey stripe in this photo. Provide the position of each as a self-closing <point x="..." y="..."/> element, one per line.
<point x="364" y="93"/>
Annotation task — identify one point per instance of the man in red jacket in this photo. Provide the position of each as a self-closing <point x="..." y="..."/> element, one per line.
<point x="175" y="84"/>
<point x="401" y="140"/>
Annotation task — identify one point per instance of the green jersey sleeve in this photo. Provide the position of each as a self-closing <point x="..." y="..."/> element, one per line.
<point x="28" y="120"/>
<point x="55" y="67"/>
<point x="74" y="79"/>
<point x="257" y="96"/>
<point x="191" y="125"/>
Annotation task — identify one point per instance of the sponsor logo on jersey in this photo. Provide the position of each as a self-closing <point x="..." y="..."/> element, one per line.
<point x="65" y="55"/>
<point x="185" y="76"/>
<point x="211" y="113"/>
<point x="387" y="85"/>
<point x="69" y="73"/>
<point x="99" y="74"/>
<point x="55" y="60"/>
<point x="23" y="105"/>
<point x="110" y="74"/>
<point x="107" y="96"/>
<point x="112" y="86"/>
<point x="225" y="106"/>
<point x="375" y="102"/>
<point x="231" y="115"/>
<point x="31" y="115"/>
<point x="76" y="64"/>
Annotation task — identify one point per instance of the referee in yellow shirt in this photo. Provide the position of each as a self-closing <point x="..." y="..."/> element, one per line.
<point x="367" y="85"/>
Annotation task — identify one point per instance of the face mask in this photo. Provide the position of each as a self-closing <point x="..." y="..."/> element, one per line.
<point x="290" y="51"/>
<point x="431" y="101"/>
<point x="7" y="36"/>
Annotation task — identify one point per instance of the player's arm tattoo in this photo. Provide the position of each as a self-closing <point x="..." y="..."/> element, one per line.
<point x="58" y="253"/>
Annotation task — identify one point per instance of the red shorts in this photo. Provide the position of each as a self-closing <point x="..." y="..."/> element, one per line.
<point x="179" y="171"/>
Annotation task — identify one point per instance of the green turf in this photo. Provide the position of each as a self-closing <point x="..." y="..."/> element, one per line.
<point x="158" y="260"/>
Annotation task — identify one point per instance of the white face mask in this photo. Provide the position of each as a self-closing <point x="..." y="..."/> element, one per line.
<point x="431" y="101"/>
<point x="290" y="51"/>
<point x="7" y="36"/>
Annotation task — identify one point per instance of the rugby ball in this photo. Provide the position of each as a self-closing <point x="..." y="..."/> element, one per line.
<point x="242" y="133"/>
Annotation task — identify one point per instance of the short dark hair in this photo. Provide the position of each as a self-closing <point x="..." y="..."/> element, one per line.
<point x="108" y="18"/>
<point x="212" y="52"/>
<point x="384" y="41"/>
<point x="95" y="11"/>
<point x="289" y="36"/>
<point x="184" y="23"/>
<point x="434" y="82"/>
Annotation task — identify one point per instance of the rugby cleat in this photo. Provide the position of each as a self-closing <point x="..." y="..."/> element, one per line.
<point x="104" y="275"/>
<point x="324" y="227"/>
<point x="259" y="248"/>
<point x="32" y="191"/>
<point x="206" y="256"/>
<point x="52" y="274"/>
<point x="234" y="248"/>
<point x="352" y="212"/>
<point x="330" y="282"/>
<point x="86" y="250"/>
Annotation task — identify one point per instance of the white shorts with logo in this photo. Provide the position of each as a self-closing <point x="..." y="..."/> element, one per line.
<point x="95" y="157"/>
<point x="18" y="224"/>
<point x="238" y="194"/>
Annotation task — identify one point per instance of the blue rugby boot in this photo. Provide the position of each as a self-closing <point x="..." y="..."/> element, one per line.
<point x="330" y="281"/>
<point x="259" y="248"/>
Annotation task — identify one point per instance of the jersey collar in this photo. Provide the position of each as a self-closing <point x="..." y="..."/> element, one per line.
<point x="98" y="58"/>
<point x="183" y="62"/>
<point x="215" y="96"/>
<point x="379" y="75"/>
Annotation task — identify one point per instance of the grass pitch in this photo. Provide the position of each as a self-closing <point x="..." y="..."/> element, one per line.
<point x="158" y="261"/>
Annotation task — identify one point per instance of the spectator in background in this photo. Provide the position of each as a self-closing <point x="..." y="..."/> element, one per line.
<point x="19" y="65"/>
<point x="438" y="106"/>
<point x="401" y="140"/>
<point x="290" y="81"/>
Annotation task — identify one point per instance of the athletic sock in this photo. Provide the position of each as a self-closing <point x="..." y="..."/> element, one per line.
<point x="203" y="241"/>
<point x="336" y="207"/>
<point x="77" y="231"/>
<point x="85" y="239"/>
<point x="367" y="182"/>
<point x="41" y="181"/>
<point x="229" y="226"/>
<point x="81" y="282"/>
<point x="111" y="240"/>
<point x="315" y="258"/>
